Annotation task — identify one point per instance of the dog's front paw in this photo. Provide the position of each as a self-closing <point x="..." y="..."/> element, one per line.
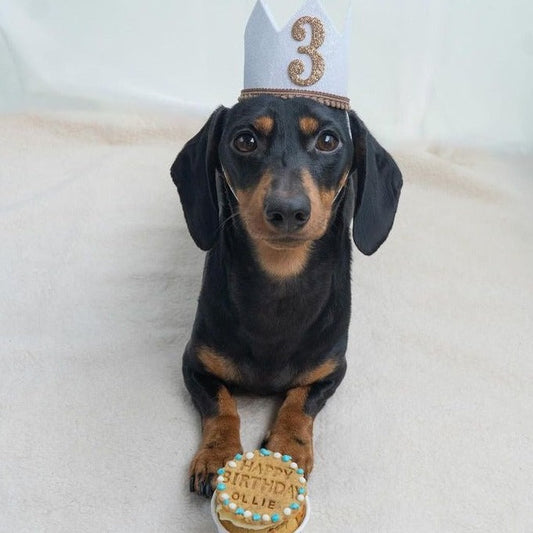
<point x="204" y="466"/>
<point x="298" y="446"/>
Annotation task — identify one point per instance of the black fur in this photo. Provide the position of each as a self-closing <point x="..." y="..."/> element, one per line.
<point x="277" y="330"/>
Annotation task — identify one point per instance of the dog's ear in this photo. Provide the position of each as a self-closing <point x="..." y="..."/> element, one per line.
<point x="193" y="173"/>
<point x="378" y="186"/>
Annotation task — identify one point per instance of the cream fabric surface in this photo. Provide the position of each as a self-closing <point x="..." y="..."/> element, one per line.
<point x="431" y="430"/>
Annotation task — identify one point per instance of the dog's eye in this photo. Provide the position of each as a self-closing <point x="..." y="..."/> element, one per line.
<point x="245" y="142"/>
<point x="327" y="142"/>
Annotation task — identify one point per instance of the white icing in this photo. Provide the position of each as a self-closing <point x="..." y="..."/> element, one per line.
<point x="250" y="455"/>
<point x="233" y="506"/>
<point x="247" y="514"/>
<point x="220" y="479"/>
<point x="300" y="497"/>
<point x="302" y="480"/>
<point x="277" y="455"/>
<point x="287" y="511"/>
<point x="266" y="518"/>
<point x="294" y="466"/>
<point x="233" y="464"/>
<point x="224" y="496"/>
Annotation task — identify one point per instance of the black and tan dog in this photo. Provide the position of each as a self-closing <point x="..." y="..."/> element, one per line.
<point x="270" y="187"/>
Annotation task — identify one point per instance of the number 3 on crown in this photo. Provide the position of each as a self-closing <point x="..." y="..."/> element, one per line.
<point x="318" y="65"/>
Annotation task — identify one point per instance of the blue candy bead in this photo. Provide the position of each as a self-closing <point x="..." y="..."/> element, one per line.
<point x="300" y="471"/>
<point x="256" y="517"/>
<point x="226" y="501"/>
<point x="286" y="458"/>
<point x="238" y="457"/>
<point x="275" y="518"/>
<point x="220" y="471"/>
<point x="221" y="486"/>
<point x="294" y="506"/>
<point x="264" y="451"/>
<point x="239" y="510"/>
<point x="301" y="490"/>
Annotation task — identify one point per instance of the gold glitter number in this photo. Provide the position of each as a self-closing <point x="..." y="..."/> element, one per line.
<point x="296" y="67"/>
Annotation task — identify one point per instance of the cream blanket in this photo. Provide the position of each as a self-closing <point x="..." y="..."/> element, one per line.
<point x="431" y="431"/>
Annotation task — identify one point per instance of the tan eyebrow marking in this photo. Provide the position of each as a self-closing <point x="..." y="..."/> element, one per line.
<point x="264" y="124"/>
<point x="308" y="125"/>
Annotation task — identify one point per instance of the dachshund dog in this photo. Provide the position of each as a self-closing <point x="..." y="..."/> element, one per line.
<point x="270" y="187"/>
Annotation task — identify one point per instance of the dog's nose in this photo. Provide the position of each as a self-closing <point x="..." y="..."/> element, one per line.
<point x="289" y="213"/>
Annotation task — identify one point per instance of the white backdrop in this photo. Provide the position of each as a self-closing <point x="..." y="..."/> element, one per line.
<point x="438" y="70"/>
<point x="99" y="278"/>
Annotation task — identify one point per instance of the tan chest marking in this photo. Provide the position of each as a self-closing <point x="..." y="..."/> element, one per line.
<point x="218" y="365"/>
<point x="282" y="262"/>
<point x="317" y="374"/>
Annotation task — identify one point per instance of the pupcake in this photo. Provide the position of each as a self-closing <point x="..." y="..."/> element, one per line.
<point x="261" y="491"/>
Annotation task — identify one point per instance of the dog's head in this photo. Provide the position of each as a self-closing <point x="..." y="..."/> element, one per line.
<point x="287" y="161"/>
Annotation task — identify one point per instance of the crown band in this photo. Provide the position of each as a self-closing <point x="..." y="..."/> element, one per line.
<point x="331" y="100"/>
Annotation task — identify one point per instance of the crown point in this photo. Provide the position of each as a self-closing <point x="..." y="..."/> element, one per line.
<point x="261" y="17"/>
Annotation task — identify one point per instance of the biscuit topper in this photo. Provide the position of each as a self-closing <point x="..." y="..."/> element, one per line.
<point x="247" y="488"/>
<point x="307" y="57"/>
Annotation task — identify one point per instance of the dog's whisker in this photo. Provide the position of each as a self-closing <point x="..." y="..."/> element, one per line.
<point x="226" y="220"/>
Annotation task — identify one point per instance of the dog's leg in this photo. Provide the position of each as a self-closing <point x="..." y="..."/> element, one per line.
<point x="292" y="432"/>
<point x="220" y="428"/>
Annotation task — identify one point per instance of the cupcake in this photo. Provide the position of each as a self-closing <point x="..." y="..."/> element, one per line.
<point x="260" y="491"/>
